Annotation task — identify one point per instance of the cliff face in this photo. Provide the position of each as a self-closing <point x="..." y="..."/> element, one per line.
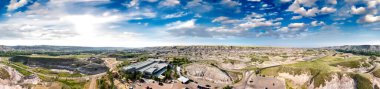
<point x="357" y="47"/>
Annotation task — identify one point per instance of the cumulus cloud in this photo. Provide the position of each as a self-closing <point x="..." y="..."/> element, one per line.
<point x="296" y="25"/>
<point x="54" y="21"/>
<point x="199" y="6"/>
<point x="296" y="17"/>
<point x="360" y="10"/>
<point x="296" y="8"/>
<point x="132" y="3"/>
<point x="317" y="23"/>
<point x="175" y="15"/>
<point x="326" y="10"/>
<point x="370" y="19"/>
<point x="229" y="3"/>
<point x="178" y="25"/>
<point x="34" y="31"/>
<point x="15" y="4"/>
<point x="225" y="20"/>
<point x="372" y="4"/>
<point x="285" y="1"/>
<point x="169" y="3"/>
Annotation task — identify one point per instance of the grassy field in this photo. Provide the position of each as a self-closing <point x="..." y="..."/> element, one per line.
<point x="363" y="81"/>
<point x="376" y="73"/>
<point x="59" y="74"/>
<point x="21" y="70"/>
<point x="64" y="56"/>
<point x="72" y="84"/>
<point x="321" y="69"/>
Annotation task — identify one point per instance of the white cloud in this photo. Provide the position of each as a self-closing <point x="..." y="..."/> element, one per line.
<point x="317" y="23"/>
<point x="360" y="10"/>
<point x="230" y="3"/>
<point x="296" y="17"/>
<point x="296" y="8"/>
<point x="306" y="3"/>
<point x="15" y="4"/>
<point x="175" y="15"/>
<point x="285" y="1"/>
<point x="255" y="24"/>
<point x="255" y="15"/>
<point x="151" y="0"/>
<point x="199" y="6"/>
<point x="54" y="24"/>
<point x="372" y="3"/>
<point x="283" y="29"/>
<point x="178" y="25"/>
<point x="225" y="20"/>
<point x="278" y="19"/>
<point x="326" y="10"/>
<point x="296" y="25"/>
<point x="132" y="3"/>
<point x="169" y="3"/>
<point x="371" y="18"/>
<point x="220" y="18"/>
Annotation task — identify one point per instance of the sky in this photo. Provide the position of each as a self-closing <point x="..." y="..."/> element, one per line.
<point x="146" y="23"/>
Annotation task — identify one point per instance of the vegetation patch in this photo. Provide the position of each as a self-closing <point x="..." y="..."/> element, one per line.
<point x="288" y="84"/>
<point x="376" y="73"/>
<point x="352" y="63"/>
<point x="362" y="81"/>
<point x="259" y="59"/>
<point x="59" y="74"/>
<point x="231" y="61"/>
<point x="180" y="61"/>
<point x="321" y="69"/>
<point x="20" y="70"/>
<point x="4" y="74"/>
<point x="72" y="84"/>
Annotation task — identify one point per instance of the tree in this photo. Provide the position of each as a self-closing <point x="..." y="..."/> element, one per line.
<point x="228" y="87"/>
<point x="373" y="58"/>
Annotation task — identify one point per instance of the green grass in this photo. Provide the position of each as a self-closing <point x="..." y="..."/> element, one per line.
<point x="63" y="56"/>
<point x="376" y="73"/>
<point x="4" y="74"/>
<point x="59" y="74"/>
<point x="321" y="69"/>
<point x="21" y="65"/>
<point x="259" y="59"/>
<point x="362" y="81"/>
<point x="72" y="84"/>
<point x="288" y="84"/>
<point x="22" y="71"/>
<point x="355" y="62"/>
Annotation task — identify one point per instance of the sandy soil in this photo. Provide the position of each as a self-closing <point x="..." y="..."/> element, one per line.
<point x="266" y="83"/>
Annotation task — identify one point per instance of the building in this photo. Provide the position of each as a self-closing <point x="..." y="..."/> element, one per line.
<point x="151" y="67"/>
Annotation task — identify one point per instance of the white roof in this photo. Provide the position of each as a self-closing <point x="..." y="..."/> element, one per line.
<point x="183" y="79"/>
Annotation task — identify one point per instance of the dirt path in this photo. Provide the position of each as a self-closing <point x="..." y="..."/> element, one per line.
<point x="93" y="83"/>
<point x="243" y="83"/>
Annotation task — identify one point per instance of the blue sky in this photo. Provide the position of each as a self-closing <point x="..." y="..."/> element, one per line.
<point x="141" y="23"/>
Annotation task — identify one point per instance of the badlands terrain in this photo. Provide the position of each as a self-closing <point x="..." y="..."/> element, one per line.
<point x="214" y="67"/>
